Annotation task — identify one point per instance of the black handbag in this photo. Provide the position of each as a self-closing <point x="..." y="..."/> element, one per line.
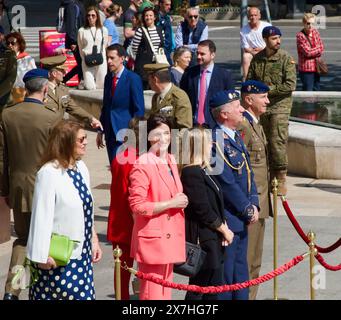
<point x="195" y="258"/>
<point x="95" y="58"/>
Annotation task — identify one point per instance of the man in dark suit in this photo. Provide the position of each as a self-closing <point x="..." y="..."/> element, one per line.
<point x="239" y="189"/>
<point x="203" y="80"/>
<point x="122" y="100"/>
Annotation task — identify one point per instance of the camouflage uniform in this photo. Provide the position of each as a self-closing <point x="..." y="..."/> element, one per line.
<point x="8" y="74"/>
<point x="279" y="73"/>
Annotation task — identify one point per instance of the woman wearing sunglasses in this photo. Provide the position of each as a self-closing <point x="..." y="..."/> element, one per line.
<point x="63" y="204"/>
<point x="93" y="36"/>
<point x="16" y="42"/>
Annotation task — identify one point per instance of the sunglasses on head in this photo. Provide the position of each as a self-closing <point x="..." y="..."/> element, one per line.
<point x="193" y="17"/>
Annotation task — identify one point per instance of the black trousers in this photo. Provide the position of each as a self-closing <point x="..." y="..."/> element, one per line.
<point x="204" y="278"/>
<point x="75" y="70"/>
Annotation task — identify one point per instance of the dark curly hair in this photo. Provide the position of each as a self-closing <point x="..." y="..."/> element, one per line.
<point x="20" y="40"/>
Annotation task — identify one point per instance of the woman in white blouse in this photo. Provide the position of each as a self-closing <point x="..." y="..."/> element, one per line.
<point x="93" y="34"/>
<point x="141" y="45"/>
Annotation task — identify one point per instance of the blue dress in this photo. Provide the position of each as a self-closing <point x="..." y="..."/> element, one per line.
<point x="75" y="280"/>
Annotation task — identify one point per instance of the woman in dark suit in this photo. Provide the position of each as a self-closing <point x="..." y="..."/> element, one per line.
<point x="204" y="215"/>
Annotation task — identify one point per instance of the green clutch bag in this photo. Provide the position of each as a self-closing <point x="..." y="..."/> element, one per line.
<point x="61" y="248"/>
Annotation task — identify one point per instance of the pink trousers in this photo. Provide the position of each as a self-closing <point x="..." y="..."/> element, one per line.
<point x="152" y="291"/>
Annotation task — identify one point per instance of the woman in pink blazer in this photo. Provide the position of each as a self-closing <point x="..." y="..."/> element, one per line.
<point x="157" y="203"/>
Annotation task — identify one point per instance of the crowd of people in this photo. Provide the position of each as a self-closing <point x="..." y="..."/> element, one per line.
<point x="230" y="145"/>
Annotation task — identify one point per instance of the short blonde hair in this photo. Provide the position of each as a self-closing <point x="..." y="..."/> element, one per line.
<point x="195" y="147"/>
<point x="307" y="16"/>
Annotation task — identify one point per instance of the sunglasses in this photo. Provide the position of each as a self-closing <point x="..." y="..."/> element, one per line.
<point x="91" y="15"/>
<point x="81" y="140"/>
<point x="193" y="17"/>
<point x="11" y="43"/>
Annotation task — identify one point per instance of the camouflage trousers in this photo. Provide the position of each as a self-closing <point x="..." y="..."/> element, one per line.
<point x="276" y="130"/>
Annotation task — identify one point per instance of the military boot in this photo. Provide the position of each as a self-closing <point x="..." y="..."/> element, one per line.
<point x="282" y="183"/>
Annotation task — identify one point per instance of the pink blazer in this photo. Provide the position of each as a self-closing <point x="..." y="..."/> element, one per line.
<point x="156" y="238"/>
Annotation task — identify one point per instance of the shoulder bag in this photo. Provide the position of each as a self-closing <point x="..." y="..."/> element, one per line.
<point x="195" y="258"/>
<point x="95" y="58"/>
<point x="160" y="56"/>
<point x="321" y="65"/>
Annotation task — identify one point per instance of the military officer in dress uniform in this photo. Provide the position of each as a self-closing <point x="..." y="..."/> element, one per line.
<point x="8" y="71"/>
<point x="24" y="131"/>
<point x="276" y="68"/>
<point x="58" y="97"/>
<point x="168" y="99"/>
<point x="237" y="182"/>
<point x="254" y="100"/>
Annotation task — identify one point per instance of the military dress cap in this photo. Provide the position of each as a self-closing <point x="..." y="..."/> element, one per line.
<point x="271" y="31"/>
<point x="55" y="62"/>
<point x="36" y="73"/>
<point x="154" y="67"/>
<point x="253" y="86"/>
<point x="223" y="97"/>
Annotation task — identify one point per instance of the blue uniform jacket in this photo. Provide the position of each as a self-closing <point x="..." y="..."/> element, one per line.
<point x="238" y="195"/>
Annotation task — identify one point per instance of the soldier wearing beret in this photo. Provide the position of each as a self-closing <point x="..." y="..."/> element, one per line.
<point x="237" y="182"/>
<point x="58" y="98"/>
<point x="24" y="131"/>
<point x="276" y="68"/>
<point x="8" y="72"/>
<point x="168" y="99"/>
<point x="254" y="100"/>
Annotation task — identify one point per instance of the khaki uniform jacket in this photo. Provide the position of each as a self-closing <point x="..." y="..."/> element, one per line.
<point x="24" y="134"/>
<point x="175" y="104"/>
<point x="279" y="73"/>
<point x="256" y="143"/>
<point x="61" y="102"/>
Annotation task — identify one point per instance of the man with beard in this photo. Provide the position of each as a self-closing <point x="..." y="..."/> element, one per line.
<point x="276" y="68"/>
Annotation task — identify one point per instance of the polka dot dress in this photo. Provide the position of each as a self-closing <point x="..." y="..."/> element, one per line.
<point x="75" y="280"/>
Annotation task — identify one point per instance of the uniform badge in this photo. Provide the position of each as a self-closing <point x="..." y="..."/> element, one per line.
<point x="167" y="110"/>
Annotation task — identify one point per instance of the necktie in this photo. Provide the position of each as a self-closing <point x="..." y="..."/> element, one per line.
<point x="114" y="84"/>
<point x="202" y="97"/>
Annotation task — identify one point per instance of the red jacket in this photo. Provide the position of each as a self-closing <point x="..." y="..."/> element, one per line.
<point x="120" y="220"/>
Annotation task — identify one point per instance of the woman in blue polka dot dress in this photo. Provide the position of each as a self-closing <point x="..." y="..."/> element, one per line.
<point x="62" y="204"/>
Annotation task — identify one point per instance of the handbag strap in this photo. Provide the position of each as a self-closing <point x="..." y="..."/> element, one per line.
<point x="148" y="38"/>
<point x="94" y="38"/>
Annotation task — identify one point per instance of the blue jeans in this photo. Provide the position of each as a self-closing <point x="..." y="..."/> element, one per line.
<point x="310" y="81"/>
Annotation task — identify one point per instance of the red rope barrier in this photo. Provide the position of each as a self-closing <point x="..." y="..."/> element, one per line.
<point x="320" y="259"/>
<point x="303" y="235"/>
<point x="223" y="288"/>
